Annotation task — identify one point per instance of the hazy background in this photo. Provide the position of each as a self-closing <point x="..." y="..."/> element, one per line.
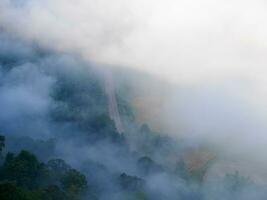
<point x="213" y="52"/>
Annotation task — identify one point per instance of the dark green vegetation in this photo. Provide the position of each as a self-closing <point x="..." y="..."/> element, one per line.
<point x="23" y="176"/>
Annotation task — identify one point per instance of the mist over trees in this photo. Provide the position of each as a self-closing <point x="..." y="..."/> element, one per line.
<point x="58" y="142"/>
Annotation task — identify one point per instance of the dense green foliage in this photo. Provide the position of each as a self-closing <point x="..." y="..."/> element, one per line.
<point x="23" y="168"/>
<point x="74" y="183"/>
<point x="24" y="177"/>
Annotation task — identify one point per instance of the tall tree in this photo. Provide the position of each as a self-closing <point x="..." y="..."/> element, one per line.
<point x="2" y="143"/>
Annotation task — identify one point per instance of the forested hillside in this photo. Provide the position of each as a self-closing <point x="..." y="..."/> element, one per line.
<point x="58" y="141"/>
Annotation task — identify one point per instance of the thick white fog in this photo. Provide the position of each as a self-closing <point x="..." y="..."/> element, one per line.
<point x="215" y="50"/>
<point x="182" y="41"/>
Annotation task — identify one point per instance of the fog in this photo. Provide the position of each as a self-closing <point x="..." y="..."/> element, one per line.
<point x="183" y="41"/>
<point x="208" y="55"/>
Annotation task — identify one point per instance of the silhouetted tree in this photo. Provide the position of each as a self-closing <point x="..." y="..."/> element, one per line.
<point x="2" y="143"/>
<point x="23" y="168"/>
